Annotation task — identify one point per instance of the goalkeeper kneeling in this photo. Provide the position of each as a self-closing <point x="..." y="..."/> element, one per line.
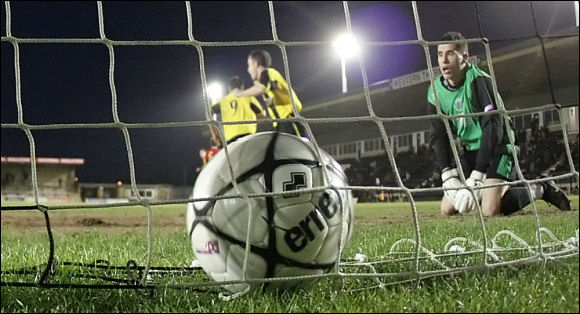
<point x="496" y="199"/>
<point x="463" y="89"/>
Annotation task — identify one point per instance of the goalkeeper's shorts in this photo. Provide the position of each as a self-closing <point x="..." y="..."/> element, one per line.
<point x="501" y="166"/>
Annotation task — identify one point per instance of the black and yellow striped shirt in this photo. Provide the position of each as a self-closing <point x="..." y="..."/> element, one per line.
<point x="277" y="95"/>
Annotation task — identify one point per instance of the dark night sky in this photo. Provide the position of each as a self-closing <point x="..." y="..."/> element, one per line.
<point x="68" y="83"/>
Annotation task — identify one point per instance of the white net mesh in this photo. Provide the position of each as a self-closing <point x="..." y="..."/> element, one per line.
<point x="408" y="258"/>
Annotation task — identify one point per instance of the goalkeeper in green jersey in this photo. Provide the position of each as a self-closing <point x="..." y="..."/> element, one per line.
<point x="275" y="92"/>
<point x="487" y="156"/>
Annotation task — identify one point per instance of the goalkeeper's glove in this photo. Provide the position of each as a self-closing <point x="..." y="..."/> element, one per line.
<point x="464" y="201"/>
<point x="450" y="179"/>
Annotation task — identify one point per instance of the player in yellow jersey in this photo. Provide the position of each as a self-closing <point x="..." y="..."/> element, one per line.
<point x="273" y="88"/>
<point x="232" y="108"/>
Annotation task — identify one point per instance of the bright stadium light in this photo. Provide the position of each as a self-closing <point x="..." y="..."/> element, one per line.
<point x="576" y="11"/>
<point x="215" y="91"/>
<point x="346" y="46"/>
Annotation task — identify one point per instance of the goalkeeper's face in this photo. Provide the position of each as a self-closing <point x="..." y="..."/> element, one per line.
<point x="451" y="62"/>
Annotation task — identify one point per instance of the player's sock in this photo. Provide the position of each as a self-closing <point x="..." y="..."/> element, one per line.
<point x="514" y="199"/>
<point x="537" y="191"/>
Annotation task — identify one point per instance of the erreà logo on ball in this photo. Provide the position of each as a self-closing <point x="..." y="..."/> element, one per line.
<point x="298" y="236"/>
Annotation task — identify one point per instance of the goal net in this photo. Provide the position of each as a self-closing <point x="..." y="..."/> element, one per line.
<point x="378" y="131"/>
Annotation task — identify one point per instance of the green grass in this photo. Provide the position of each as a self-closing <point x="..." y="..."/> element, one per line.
<point x="535" y="287"/>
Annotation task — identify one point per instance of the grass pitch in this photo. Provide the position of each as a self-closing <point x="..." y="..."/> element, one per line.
<point x="119" y="235"/>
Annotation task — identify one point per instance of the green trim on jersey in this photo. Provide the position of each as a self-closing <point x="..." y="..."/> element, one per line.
<point x="456" y="102"/>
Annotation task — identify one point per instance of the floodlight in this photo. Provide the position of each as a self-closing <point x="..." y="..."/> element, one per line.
<point x="215" y="91"/>
<point x="346" y="46"/>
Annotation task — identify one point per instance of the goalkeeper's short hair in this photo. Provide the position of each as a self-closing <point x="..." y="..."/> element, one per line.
<point x="450" y="36"/>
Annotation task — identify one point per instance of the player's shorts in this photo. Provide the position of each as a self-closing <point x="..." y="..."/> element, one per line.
<point x="233" y="139"/>
<point x="501" y="167"/>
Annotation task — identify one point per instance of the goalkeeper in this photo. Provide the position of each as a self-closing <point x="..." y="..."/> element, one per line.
<point x="487" y="157"/>
<point x="273" y="88"/>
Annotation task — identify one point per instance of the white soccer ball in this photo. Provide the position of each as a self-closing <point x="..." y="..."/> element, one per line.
<point x="293" y="234"/>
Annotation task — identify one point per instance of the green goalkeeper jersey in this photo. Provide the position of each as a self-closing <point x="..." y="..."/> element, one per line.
<point x="485" y="134"/>
<point x="458" y="102"/>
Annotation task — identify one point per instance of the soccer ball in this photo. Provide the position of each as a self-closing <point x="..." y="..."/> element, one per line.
<point x="291" y="234"/>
